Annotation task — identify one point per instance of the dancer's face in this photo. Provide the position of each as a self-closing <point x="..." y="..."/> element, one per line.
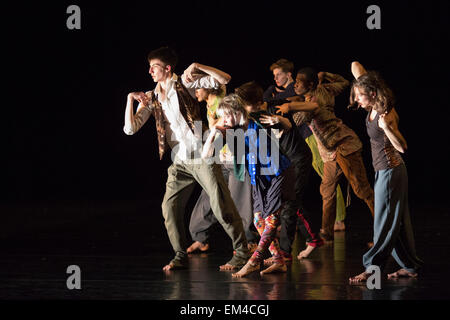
<point x="201" y="94"/>
<point x="281" y="78"/>
<point x="159" y="70"/>
<point x="301" y="86"/>
<point x="362" y="98"/>
<point x="231" y="119"/>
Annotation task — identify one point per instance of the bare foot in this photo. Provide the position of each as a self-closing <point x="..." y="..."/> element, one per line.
<point x="197" y="245"/>
<point x="169" y="267"/>
<point x="247" y="269"/>
<point x="276" y="267"/>
<point x="269" y="261"/>
<point x="339" y="226"/>
<point x="227" y="266"/>
<point x="402" y="273"/>
<point x="175" y="265"/>
<point x="359" y="278"/>
<point x="305" y="253"/>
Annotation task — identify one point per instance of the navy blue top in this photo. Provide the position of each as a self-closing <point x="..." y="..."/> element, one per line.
<point x="272" y="94"/>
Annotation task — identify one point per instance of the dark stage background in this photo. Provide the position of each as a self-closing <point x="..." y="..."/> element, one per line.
<point x="65" y="92"/>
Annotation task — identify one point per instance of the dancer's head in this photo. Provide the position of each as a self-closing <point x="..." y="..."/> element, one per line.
<point x="370" y="91"/>
<point x="162" y="63"/>
<point x="231" y="108"/>
<point x="202" y="94"/>
<point x="282" y="72"/>
<point x="251" y="94"/>
<point x="305" y="81"/>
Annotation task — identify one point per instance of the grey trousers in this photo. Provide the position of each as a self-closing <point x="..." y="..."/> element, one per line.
<point x="202" y="217"/>
<point x="181" y="181"/>
<point x="393" y="232"/>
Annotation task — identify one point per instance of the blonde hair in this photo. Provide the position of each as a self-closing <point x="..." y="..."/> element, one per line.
<point x="232" y="104"/>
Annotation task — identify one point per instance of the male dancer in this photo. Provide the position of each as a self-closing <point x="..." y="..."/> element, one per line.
<point x="339" y="147"/>
<point x="177" y="116"/>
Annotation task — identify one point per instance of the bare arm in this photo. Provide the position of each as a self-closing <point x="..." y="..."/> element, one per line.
<point x="357" y="69"/>
<point x="389" y="123"/>
<point x="272" y="120"/>
<point x="336" y="83"/>
<point x="190" y="73"/>
<point x="134" y="121"/>
<point x="295" y="106"/>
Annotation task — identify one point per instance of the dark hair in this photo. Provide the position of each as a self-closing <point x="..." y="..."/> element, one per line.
<point x="283" y="64"/>
<point x="220" y="91"/>
<point x="251" y="93"/>
<point x="369" y="82"/>
<point x="166" y="55"/>
<point x="310" y="76"/>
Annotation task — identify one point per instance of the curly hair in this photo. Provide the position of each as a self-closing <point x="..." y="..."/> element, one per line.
<point x="371" y="82"/>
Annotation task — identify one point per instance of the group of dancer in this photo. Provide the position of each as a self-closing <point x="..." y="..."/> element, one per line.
<point x="286" y="131"/>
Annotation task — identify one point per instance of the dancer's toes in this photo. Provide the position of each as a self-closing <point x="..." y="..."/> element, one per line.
<point x="275" y="267"/>
<point x="402" y="273"/>
<point x="247" y="269"/>
<point x="227" y="266"/>
<point x="197" y="245"/>
<point x="305" y="253"/>
<point x="359" y="278"/>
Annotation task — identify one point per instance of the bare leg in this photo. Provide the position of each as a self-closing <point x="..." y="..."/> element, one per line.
<point x="247" y="269"/>
<point x="402" y="273"/>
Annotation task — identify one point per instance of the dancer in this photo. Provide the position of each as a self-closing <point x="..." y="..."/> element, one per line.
<point x="202" y="218"/>
<point x="298" y="152"/>
<point x="290" y="220"/>
<point x="178" y="119"/>
<point x="267" y="172"/>
<point x="393" y="233"/>
<point x="339" y="147"/>
<point x="284" y="83"/>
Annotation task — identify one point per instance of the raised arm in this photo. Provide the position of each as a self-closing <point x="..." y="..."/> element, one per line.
<point x="389" y="123"/>
<point x="191" y="73"/>
<point x="134" y="121"/>
<point x="335" y="83"/>
<point x="357" y="69"/>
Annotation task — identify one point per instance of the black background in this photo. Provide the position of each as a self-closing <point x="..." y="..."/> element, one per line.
<point x="65" y="92"/>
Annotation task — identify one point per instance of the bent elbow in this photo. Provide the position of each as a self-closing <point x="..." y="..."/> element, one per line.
<point x="226" y="79"/>
<point x="128" y="131"/>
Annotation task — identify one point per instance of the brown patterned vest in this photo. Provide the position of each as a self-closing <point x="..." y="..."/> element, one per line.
<point x="189" y="108"/>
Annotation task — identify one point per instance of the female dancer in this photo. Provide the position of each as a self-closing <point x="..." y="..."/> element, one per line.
<point x="393" y="233"/>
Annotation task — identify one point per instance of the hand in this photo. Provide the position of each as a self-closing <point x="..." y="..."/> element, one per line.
<point x="382" y="122"/>
<point x="189" y="74"/>
<point x="269" y="120"/>
<point x="284" y="108"/>
<point x="141" y="97"/>
<point x="321" y="76"/>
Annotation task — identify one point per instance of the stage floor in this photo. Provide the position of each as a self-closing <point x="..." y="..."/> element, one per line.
<point x="123" y="260"/>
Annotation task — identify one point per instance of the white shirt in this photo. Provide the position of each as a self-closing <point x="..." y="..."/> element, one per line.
<point x="183" y="142"/>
